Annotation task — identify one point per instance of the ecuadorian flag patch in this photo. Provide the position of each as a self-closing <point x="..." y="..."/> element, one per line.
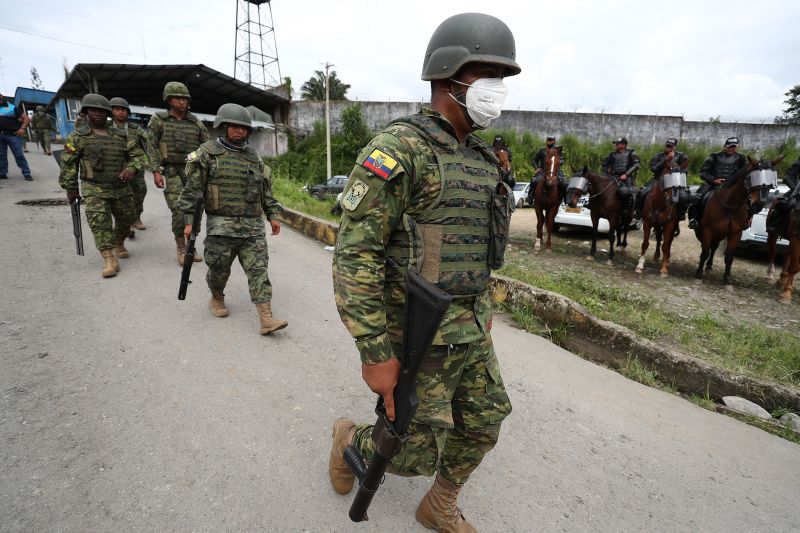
<point x="380" y="164"/>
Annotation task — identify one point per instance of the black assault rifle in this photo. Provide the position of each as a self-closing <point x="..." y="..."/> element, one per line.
<point x="75" y="209"/>
<point x="188" y="258"/>
<point x="425" y="307"/>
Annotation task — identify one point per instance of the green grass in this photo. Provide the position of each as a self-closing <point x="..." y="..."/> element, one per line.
<point x="292" y="194"/>
<point x="744" y="348"/>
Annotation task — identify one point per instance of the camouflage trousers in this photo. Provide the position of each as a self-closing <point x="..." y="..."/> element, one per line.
<point x="220" y="251"/>
<point x="462" y="402"/>
<point x="174" y="185"/>
<point x="109" y="212"/>
<point x="139" y="188"/>
<point x="43" y="136"/>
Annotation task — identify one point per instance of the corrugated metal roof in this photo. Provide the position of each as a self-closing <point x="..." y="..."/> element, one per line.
<point x="32" y="96"/>
<point x="144" y="85"/>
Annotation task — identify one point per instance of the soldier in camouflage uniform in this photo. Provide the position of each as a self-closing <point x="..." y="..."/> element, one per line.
<point x="108" y="161"/>
<point x="120" y="110"/>
<point x="43" y="124"/>
<point x="236" y="187"/>
<point x="171" y="136"/>
<point x="427" y="183"/>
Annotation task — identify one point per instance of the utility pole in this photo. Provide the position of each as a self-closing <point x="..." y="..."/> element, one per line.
<point x="328" y="118"/>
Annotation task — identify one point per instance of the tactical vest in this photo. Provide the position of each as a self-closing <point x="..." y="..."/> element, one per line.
<point x="103" y="157"/>
<point x="451" y="238"/>
<point x="620" y="162"/>
<point x="235" y="182"/>
<point x="41" y="122"/>
<point x="179" y="138"/>
<point x="725" y="165"/>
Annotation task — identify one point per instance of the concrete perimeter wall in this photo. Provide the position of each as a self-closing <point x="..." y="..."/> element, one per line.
<point x="595" y="127"/>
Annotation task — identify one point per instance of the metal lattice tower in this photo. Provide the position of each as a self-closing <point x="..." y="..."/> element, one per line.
<point x="256" y="50"/>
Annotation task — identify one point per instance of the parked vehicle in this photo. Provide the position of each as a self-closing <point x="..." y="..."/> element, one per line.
<point x="581" y="217"/>
<point x="521" y="194"/>
<point x="755" y="237"/>
<point x="329" y="189"/>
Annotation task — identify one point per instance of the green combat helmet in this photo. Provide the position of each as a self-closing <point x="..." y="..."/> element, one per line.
<point x="40" y="109"/>
<point x="233" y="114"/>
<point x="467" y="38"/>
<point x="119" y="102"/>
<point x="97" y="101"/>
<point x="175" y="88"/>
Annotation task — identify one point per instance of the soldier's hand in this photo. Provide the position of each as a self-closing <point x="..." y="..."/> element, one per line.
<point x="187" y="231"/>
<point x="276" y="226"/>
<point x="719" y="181"/>
<point x="381" y="378"/>
<point x="158" y="179"/>
<point x="126" y="175"/>
<point x="624" y="177"/>
<point x="72" y="195"/>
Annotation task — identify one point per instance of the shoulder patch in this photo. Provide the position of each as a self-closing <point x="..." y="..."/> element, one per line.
<point x="69" y="148"/>
<point x="354" y="195"/>
<point x="380" y="163"/>
<point x="191" y="156"/>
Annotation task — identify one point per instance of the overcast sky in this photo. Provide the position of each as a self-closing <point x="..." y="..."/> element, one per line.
<point x="698" y="59"/>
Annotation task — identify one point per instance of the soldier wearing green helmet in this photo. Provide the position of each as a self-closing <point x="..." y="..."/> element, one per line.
<point x="236" y="187"/>
<point x="427" y="182"/>
<point x="43" y="125"/>
<point x="108" y="160"/>
<point x="120" y="110"/>
<point x="171" y="135"/>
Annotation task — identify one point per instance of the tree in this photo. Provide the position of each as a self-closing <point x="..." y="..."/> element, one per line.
<point x="791" y="114"/>
<point x="355" y="133"/>
<point x="314" y="88"/>
<point x="36" y="81"/>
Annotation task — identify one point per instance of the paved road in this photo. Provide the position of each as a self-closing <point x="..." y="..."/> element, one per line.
<point x="123" y="409"/>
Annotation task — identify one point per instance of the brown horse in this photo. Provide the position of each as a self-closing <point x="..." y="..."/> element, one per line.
<point x="791" y="262"/>
<point x="660" y="212"/>
<point x="547" y="197"/>
<point x="725" y="217"/>
<point x="604" y="202"/>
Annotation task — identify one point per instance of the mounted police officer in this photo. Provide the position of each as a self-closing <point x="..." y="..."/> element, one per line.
<point x="778" y="218"/>
<point x="43" y="124"/>
<point x="236" y="187"/>
<point x="503" y="154"/>
<point x="108" y="161"/>
<point x="623" y="164"/>
<point x="663" y="163"/>
<point x="428" y="182"/>
<point x="171" y="136"/>
<point x="715" y="170"/>
<point x="539" y="161"/>
<point x="120" y="110"/>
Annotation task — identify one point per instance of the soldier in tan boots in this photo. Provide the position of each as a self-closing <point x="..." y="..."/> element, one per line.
<point x="236" y="195"/>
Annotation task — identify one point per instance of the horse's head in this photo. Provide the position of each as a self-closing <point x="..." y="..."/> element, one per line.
<point x="578" y="186"/>
<point x="761" y="178"/>
<point x="552" y="162"/>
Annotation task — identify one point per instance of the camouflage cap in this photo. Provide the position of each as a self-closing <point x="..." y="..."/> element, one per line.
<point x="175" y="88"/>
<point x="119" y="102"/>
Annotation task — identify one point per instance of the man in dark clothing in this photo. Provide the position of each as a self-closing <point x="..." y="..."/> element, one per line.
<point x="778" y="218"/>
<point x="622" y="164"/>
<point x="539" y="161"/>
<point x="715" y="170"/>
<point x="503" y="153"/>
<point x="663" y="163"/>
<point x="13" y="122"/>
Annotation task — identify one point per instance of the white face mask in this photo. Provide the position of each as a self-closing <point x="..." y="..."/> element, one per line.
<point x="484" y="99"/>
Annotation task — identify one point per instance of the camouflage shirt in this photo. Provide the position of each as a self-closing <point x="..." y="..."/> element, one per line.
<point x="139" y="134"/>
<point x="155" y="131"/>
<point x="198" y="167"/>
<point x="74" y="151"/>
<point x="377" y="205"/>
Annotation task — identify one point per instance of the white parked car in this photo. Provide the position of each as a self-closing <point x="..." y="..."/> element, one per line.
<point x="755" y="237"/>
<point x="521" y="194"/>
<point x="580" y="216"/>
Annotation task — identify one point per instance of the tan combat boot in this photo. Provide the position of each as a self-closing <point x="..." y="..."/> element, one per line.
<point x="217" y="305"/>
<point x="342" y="478"/>
<point x="269" y="324"/>
<point x="138" y="224"/>
<point x="438" y="509"/>
<point x="110" y="265"/>
<point x="121" y="251"/>
<point x="180" y="248"/>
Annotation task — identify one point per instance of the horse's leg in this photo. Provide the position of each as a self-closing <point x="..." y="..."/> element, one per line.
<point x="730" y="251"/>
<point x="551" y="222"/>
<point x="772" y="242"/>
<point x="669" y="236"/>
<point x="791" y="267"/>
<point x="645" y="245"/>
<point x="659" y="231"/>
<point x="710" y="264"/>
<point x="593" y="250"/>
<point x="539" y="222"/>
<point x="611" y="236"/>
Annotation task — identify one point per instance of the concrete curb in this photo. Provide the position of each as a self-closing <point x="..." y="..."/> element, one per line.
<point x="604" y="341"/>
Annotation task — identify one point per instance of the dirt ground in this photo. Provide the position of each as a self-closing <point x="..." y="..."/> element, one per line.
<point x="752" y="298"/>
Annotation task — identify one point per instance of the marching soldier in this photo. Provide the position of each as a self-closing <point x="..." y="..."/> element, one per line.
<point x="426" y="180"/>
<point x="171" y="136"/>
<point x="623" y="164"/>
<point x="236" y="187"/>
<point x="108" y="161"/>
<point x="120" y="110"/>
<point x="43" y="124"/>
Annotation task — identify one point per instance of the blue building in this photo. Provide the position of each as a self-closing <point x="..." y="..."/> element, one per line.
<point x="28" y="99"/>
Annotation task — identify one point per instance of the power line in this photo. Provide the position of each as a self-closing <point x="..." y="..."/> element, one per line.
<point x="68" y="42"/>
